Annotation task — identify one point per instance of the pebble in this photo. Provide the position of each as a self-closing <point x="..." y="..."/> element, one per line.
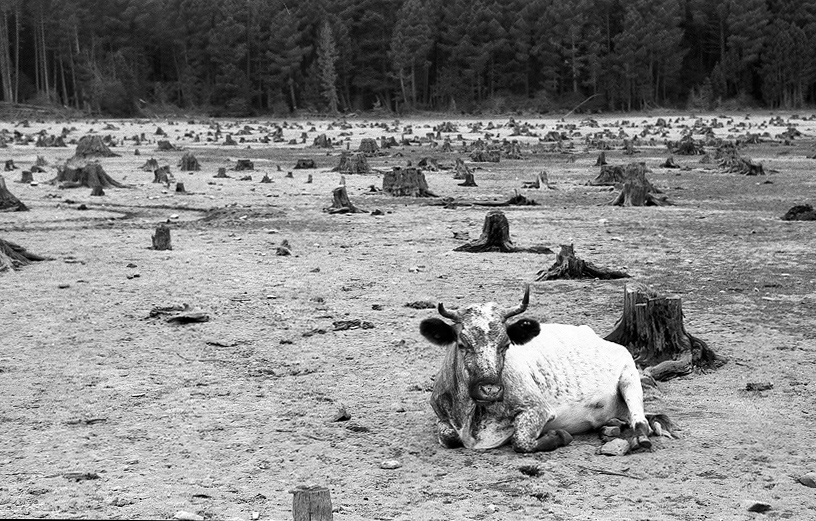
<point x="181" y="515"/>
<point x="808" y="480"/>
<point x="759" y="506"/>
<point x="616" y="447"/>
<point x="390" y="464"/>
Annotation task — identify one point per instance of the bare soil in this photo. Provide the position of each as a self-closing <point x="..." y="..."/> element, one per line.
<point x="223" y="418"/>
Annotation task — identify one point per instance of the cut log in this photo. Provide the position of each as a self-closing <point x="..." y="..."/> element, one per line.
<point x="305" y="163"/>
<point x="161" y="239"/>
<point x="13" y="257"/>
<point x="652" y="329"/>
<point x="8" y="202"/>
<point x="92" y="146"/>
<point x="341" y="202"/>
<point x="189" y="163"/>
<point x="311" y="503"/>
<point x="568" y="266"/>
<point x="496" y="238"/>
<point x="637" y="190"/>
<point x="76" y="174"/>
<point x="406" y="182"/>
<point x="352" y="164"/>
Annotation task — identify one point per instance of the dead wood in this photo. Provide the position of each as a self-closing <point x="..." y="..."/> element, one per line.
<point x="496" y="238"/>
<point x="97" y="191"/>
<point x="406" y="182"/>
<point x="687" y="146"/>
<point x="800" y="212"/>
<point x="322" y="141"/>
<point x="429" y="163"/>
<point x="244" y="164"/>
<point x="610" y="175"/>
<point x="26" y="177"/>
<point x="652" y="329"/>
<point x="469" y="180"/>
<point x="305" y="163"/>
<point x="161" y="239"/>
<point x="189" y="163"/>
<point x="461" y="169"/>
<point x="150" y="165"/>
<point x="180" y="188"/>
<point x="540" y="180"/>
<point x="13" y="256"/>
<point x="669" y="163"/>
<point x="165" y="146"/>
<point x="9" y="166"/>
<point x="76" y="174"/>
<point x="637" y="190"/>
<point x="601" y="161"/>
<point x="8" y="202"/>
<point x="266" y="179"/>
<point x="368" y="146"/>
<point x="732" y="162"/>
<point x="222" y="173"/>
<point x="568" y="266"/>
<point x="92" y="146"/>
<point x="341" y="202"/>
<point x="352" y="164"/>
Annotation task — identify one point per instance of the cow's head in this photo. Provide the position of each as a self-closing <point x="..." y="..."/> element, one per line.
<point x="482" y="337"/>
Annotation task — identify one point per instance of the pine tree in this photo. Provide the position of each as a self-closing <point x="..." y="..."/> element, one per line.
<point x="326" y="58"/>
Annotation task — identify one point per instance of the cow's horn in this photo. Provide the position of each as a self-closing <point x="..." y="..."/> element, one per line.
<point x="453" y="315"/>
<point x="521" y="308"/>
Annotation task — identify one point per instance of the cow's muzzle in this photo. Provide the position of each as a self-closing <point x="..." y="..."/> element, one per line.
<point x="487" y="391"/>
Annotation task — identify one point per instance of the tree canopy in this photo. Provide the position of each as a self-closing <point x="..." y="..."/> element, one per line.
<point x="238" y="57"/>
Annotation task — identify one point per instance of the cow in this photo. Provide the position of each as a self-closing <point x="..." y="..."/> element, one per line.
<point x="532" y="384"/>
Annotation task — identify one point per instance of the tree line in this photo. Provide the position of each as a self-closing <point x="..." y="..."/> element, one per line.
<point x="238" y="57"/>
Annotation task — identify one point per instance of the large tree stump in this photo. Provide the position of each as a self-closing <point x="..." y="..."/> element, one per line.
<point x="461" y="169"/>
<point x="341" y="202"/>
<point x="97" y="191"/>
<point x="78" y="174"/>
<point x="163" y="175"/>
<point x="12" y="256"/>
<point x="686" y="147"/>
<point x="406" y="182"/>
<point x="541" y="180"/>
<point x="352" y="164"/>
<point x="368" y="146"/>
<point x="800" y="212"/>
<point x="496" y="237"/>
<point x="469" y="180"/>
<point x="568" y="266"/>
<point x="244" y="164"/>
<point x="92" y="146"/>
<point x="610" y="175"/>
<point x="161" y="239"/>
<point x="637" y="190"/>
<point x="150" y="165"/>
<point x="8" y="202"/>
<point x="26" y="177"/>
<point x="322" y="141"/>
<point x="652" y="329"/>
<point x="311" y="503"/>
<point x="189" y="163"/>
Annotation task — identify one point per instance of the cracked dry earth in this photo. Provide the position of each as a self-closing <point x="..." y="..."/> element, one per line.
<point x="223" y="418"/>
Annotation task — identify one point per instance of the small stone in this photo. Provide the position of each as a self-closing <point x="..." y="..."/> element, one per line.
<point x="759" y="506"/>
<point x="610" y="431"/>
<point x="181" y="515"/>
<point x="341" y="415"/>
<point x="808" y="480"/>
<point x="616" y="447"/>
<point x="390" y="464"/>
<point x="64" y="286"/>
<point x="174" y="216"/>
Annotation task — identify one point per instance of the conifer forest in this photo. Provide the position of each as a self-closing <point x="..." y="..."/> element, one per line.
<point x="239" y="57"/>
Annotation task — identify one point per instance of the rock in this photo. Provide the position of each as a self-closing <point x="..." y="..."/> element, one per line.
<point x="255" y="515"/>
<point x="759" y="506"/>
<point x="616" y="447"/>
<point x="181" y="515"/>
<point x="808" y="480"/>
<point x="341" y="415"/>
<point x="390" y="464"/>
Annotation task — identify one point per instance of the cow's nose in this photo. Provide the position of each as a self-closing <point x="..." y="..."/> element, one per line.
<point x="491" y="392"/>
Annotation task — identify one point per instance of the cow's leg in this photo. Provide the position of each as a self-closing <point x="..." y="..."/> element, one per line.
<point x="528" y="425"/>
<point x="447" y="435"/>
<point x="632" y="393"/>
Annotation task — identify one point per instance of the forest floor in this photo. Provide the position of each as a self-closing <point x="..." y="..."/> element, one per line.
<point x="108" y="413"/>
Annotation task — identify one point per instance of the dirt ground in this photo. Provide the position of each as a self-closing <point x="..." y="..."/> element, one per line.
<point x="224" y="418"/>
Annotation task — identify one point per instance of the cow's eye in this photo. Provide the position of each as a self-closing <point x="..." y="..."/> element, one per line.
<point x="464" y="346"/>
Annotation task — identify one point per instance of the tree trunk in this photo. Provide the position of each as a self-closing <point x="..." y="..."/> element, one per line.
<point x="311" y="503"/>
<point x="652" y="329"/>
<point x="568" y="266"/>
<point x="496" y="237"/>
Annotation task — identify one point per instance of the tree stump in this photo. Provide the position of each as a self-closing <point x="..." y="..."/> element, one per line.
<point x="311" y="503"/>
<point x="341" y="202"/>
<point x="92" y="146"/>
<point x="189" y="163"/>
<point x="368" y="146"/>
<point x="686" y="147"/>
<point x="165" y="146"/>
<point x="97" y="191"/>
<point x="244" y="164"/>
<point x="652" y="329"/>
<point x="89" y="175"/>
<point x="229" y="141"/>
<point x="322" y="141"/>
<point x="13" y="257"/>
<point x="601" y="161"/>
<point x="408" y="182"/>
<point x="26" y="177"/>
<point x="150" y="165"/>
<point x="610" y="175"/>
<point x="733" y="163"/>
<point x="496" y="237"/>
<point x="222" y="173"/>
<point x="8" y="202"/>
<point x="800" y="212"/>
<point x="428" y="163"/>
<point x="461" y="169"/>
<point x="161" y="239"/>
<point x="265" y="179"/>
<point x="305" y="163"/>
<point x="353" y="164"/>
<point x="469" y="180"/>
<point x="180" y="188"/>
<point x="568" y="266"/>
<point x="540" y="180"/>
<point x="669" y="163"/>
<point x="309" y="179"/>
<point x="9" y="166"/>
<point x="636" y="190"/>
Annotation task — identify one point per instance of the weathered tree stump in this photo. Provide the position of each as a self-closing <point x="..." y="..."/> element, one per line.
<point x="686" y="147"/>
<point x="9" y="166"/>
<point x="496" y="237"/>
<point x="311" y="503"/>
<point x="800" y="212"/>
<point x="428" y="163"/>
<point x="469" y="180"/>
<point x="341" y="202"/>
<point x="89" y="175"/>
<point x="652" y="329"/>
<point x="610" y="175"/>
<point x="368" y="146"/>
<point x="289" y="175"/>
<point x="244" y="164"/>
<point x="26" y="177"/>
<point x="540" y="180"/>
<point x="97" y="191"/>
<point x="352" y="164"/>
<point x="13" y="256"/>
<point x="180" y="188"/>
<point x="309" y="179"/>
<point x="568" y="266"/>
<point x="485" y="156"/>
<point x="161" y="239"/>
<point x="164" y="176"/>
<point x="669" y="163"/>
<point x="461" y="169"/>
<point x="189" y="163"/>
<point x="8" y="202"/>
<point x="322" y="141"/>
<point x="265" y="179"/>
<point x="93" y="146"/>
<point x="305" y="163"/>
<point x="229" y="140"/>
<point x="150" y="165"/>
<point x="637" y="190"/>
<point x="601" y="161"/>
<point x="222" y="173"/>
<point x="406" y="182"/>
<point x="732" y="162"/>
<point x="284" y="249"/>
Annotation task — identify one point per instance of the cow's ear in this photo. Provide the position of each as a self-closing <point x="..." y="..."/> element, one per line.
<point x="437" y="331"/>
<point x="523" y="331"/>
